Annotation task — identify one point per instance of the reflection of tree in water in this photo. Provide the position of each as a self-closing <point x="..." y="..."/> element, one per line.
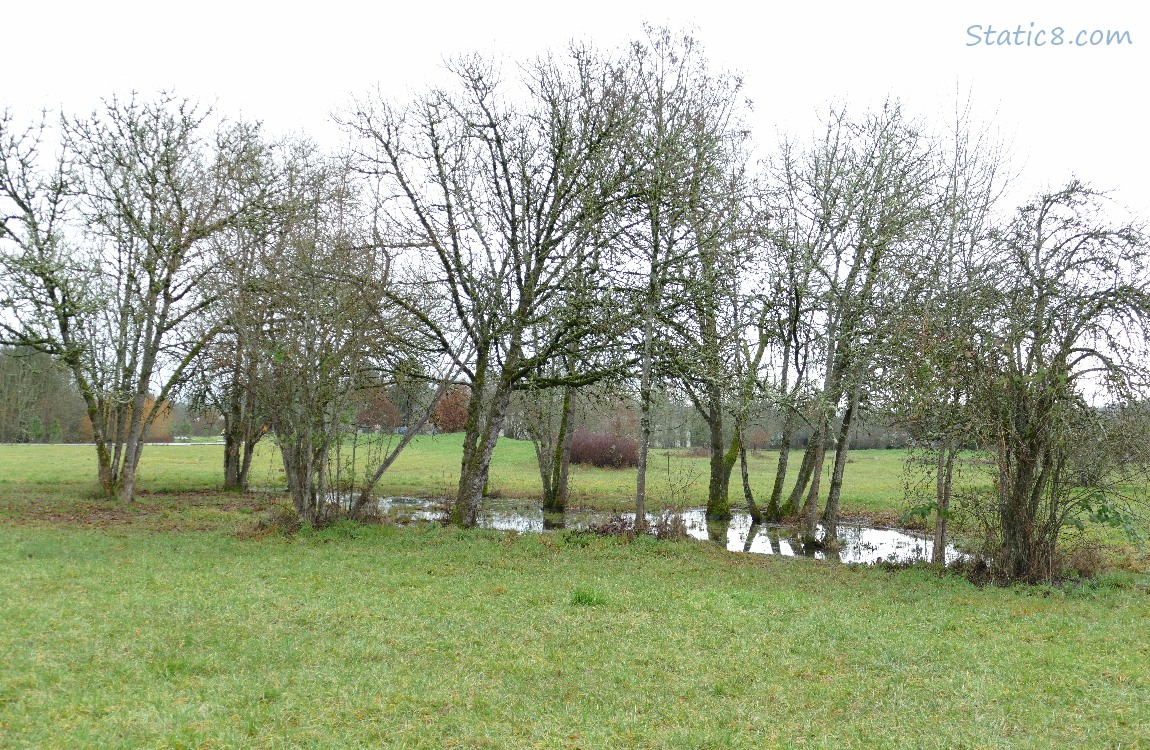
<point x="773" y="538"/>
<point x="856" y="544"/>
<point x="754" y="530"/>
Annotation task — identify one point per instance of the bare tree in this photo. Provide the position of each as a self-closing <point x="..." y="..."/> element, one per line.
<point x="116" y="295"/>
<point x="228" y="378"/>
<point x="325" y="328"/>
<point x="678" y="231"/>
<point x="862" y="195"/>
<point x="496" y="187"/>
<point x="795" y="290"/>
<point x="1068" y="325"/>
<point x="928" y="359"/>
<point x="718" y="341"/>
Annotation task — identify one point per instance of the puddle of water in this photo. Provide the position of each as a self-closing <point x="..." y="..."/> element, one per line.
<point x="857" y="543"/>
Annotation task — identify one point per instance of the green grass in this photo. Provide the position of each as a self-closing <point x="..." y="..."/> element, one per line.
<point x="430" y="467"/>
<point x="434" y="638"/>
<point x="168" y="623"/>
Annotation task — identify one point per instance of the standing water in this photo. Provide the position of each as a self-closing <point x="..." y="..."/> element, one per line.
<point x="858" y="543"/>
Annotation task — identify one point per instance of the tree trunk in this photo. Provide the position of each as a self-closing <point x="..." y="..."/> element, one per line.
<point x="246" y="463"/>
<point x="233" y="431"/>
<point x="731" y="456"/>
<point x="473" y="476"/>
<point x="791" y="508"/>
<point x="944" y="476"/>
<point x="232" y="449"/>
<point x="545" y="458"/>
<point x="718" y="502"/>
<point x="105" y="469"/>
<point x="752" y="508"/>
<point x="810" y="512"/>
<point x="298" y="467"/>
<point x="238" y="447"/>
<point x="1023" y="478"/>
<point x="134" y="447"/>
<point x="774" y="512"/>
<point x="644" y="414"/>
<point x="718" y="506"/>
<point x="842" y="449"/>
<point x="565" y="466"/>
<point x="561" y="459"/>
<point x="484" y="420"/>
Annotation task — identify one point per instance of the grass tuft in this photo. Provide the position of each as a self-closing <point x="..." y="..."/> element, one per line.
<point x="587" y="598"/>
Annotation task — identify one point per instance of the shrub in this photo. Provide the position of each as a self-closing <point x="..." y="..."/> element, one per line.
<point x="1083" y="561"/>
<point x="450" y="414"/>
<point x="282" y="520"/>
<point x="604" y="451"/>
<point x="615" y="525"/>
<point x="670" y="525"/>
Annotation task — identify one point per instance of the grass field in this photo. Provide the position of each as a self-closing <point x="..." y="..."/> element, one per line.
<point x="430" y="467"/>
<point x="175" y="622"/>
<point x="431" y="638"/>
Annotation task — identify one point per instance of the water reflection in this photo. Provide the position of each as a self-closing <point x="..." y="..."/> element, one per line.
<point x="857" y="543"/>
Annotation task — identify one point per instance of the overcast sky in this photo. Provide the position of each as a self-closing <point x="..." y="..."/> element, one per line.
<point x="1064" y="109"/>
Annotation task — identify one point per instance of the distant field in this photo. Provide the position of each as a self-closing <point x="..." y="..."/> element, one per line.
<point x="430" y="468"/>
<point x="873" y="486"/>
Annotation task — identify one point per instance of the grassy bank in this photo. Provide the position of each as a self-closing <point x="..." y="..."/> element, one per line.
<point x="425" y="637"/>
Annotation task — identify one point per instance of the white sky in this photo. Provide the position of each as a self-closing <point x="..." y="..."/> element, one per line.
<point x="1065" y="110"/>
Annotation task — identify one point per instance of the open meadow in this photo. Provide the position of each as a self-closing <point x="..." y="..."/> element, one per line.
<point x="182" y="622"/>
<point x="430" y="468"/>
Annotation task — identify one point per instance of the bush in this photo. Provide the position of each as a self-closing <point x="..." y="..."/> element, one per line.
<point x="1083" y="561"/>
<point x="604" y="451"/>
<point x="280" y="521"/>
<point x="616" y="525"/>
<point x="450" y="413"/>
<point x="670" y="525"/>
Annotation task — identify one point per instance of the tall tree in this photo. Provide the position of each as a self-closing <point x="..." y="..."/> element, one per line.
<point x="679" y="229"/>
<point x="862" y="194"/>
<point x="228" y="379"/>
<point x="1069" y="326"/>
<point x="117" y="295"/>
<point x="795" y="288"/>
<point x="496" y="187"/>
<point x="928" y="358"/>
<point x="326" y="327"/>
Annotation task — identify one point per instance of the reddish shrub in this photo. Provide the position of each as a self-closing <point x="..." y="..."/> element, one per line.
<point x="604" y="451"/>
<point x="450" y="414"/>
<point x="377" y="409"/>
<point x="757" y="439"/>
